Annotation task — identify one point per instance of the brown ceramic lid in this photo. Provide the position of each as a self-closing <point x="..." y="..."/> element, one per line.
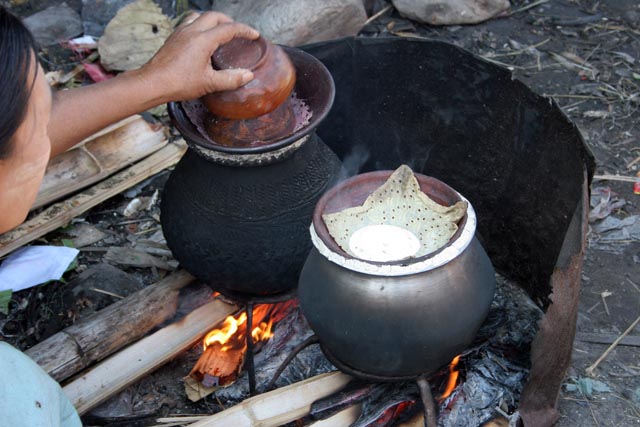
<point x="240" y="53"/>
<point x="274" y="78"/>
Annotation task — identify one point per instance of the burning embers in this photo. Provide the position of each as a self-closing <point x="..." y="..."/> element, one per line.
<point x="492" y="371"/>
<point x="225" y="348"/>
<point x="388" y="404"/>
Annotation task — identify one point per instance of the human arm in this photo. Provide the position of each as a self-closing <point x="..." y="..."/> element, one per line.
<point x="180" y="70"/>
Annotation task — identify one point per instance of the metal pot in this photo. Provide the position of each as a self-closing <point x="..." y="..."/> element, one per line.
<point x="398" y="319"/>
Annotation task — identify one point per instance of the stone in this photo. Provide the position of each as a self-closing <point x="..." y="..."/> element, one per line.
<point x="450" y="12"/>
<point x="297" y="22"/>
<point x="54" y="24"/>
<point x="96" y="14"/>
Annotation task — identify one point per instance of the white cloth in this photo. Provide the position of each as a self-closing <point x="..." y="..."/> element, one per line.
<point x="28" y="396"/>
<point x="34" y="265"/>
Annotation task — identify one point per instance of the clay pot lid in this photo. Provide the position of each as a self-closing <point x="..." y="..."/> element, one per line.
<point x="240" y="53"/>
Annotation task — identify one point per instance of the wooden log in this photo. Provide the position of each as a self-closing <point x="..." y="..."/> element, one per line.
<point x="279" y="406"/>
<point x="129" y="365"/>
<point x="102" y="155"/>
<point x="220" y="364"/>
<point x="61" y="213"/>
<point x="217" y="367"/>
<point x="103" y="333"/>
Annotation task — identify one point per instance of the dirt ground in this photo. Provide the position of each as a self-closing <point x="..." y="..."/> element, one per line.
<point x="583" y="53"/>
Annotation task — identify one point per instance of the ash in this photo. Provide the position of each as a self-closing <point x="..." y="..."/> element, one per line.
<point x="496" y="370"/>
<point x="493" y="371"/>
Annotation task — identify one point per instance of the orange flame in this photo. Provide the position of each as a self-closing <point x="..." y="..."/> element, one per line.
<point x="453" y="378"/>
<point x="233" y="330"/>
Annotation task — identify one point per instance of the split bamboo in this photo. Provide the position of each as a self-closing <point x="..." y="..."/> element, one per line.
<point x="61" y="213"/>
<point x="129" y="365"/>
<point x="279" y="406"/>
<point x="102" y="155"/>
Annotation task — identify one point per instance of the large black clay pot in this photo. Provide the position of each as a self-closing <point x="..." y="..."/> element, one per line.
<point x="238" y="217"/>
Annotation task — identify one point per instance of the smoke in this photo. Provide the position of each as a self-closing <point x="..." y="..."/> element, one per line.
<point x="353" y="162"/>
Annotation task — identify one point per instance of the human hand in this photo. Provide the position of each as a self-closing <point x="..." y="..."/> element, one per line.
<point x="181" y="69"/>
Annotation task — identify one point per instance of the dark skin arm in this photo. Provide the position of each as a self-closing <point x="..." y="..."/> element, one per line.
<point x="181" y="70"/>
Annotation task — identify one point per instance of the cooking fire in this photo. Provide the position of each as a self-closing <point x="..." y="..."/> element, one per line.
<point x="225" y="347"/>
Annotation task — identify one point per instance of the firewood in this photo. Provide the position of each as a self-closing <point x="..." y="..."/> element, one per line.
<point x="100" y="156"/>
<point x="101" y="334"/>
<point x="61" y="213"/>
<point x="343" y="418"/>
<point x="217" y="367"/>
<point x="279" y="406"/>
<point x="129" y="365"/>
<point x="219" y="364"/>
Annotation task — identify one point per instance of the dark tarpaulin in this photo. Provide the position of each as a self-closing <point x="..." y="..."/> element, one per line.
<point x="523" y="165"/>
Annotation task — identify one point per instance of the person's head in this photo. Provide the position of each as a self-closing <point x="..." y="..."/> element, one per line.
<point x="24" y="97"/>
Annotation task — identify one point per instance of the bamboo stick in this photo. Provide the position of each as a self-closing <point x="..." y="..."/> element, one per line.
<point x="103" y="333"/>
<point x="590" y="370"/>
<point x="102" y="155"/>
<point x="61" y="213"/>
<point x="616" y="178"/>
<point x="279" y="406"/>
<point x="134" y="362"/>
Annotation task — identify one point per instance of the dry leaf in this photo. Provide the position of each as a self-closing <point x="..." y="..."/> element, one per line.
<point x="195" y="390"/>
<point x="133" y="36"/>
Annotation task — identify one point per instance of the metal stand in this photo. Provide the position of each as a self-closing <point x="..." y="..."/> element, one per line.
<point x="427" y="402"/>
<point x="248" y="361"/>
<point x="313" y="339"/>
<point x="249" y="301"/>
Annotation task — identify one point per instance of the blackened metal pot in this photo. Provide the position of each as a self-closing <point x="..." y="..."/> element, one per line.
<point x="237" y="217"/>
<point x="399" y="319"/>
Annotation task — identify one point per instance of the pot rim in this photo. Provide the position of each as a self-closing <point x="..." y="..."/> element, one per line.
<point x="328" y="248"/>
<point x="303" y="62"/>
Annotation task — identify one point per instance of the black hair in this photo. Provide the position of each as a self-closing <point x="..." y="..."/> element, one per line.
<point x="17" y="49"/>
